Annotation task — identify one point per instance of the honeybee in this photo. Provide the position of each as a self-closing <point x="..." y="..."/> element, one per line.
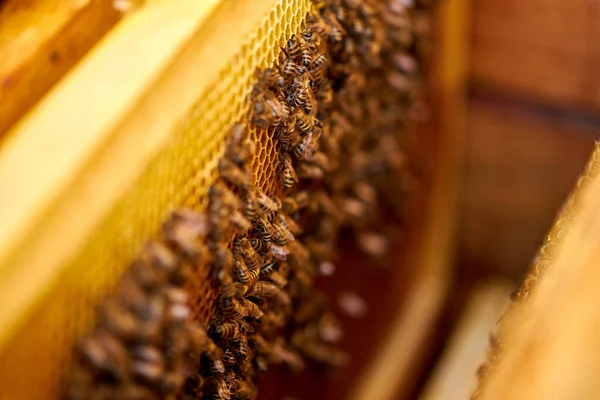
<point x="374" y="244"/>
<point x="266" y="289"/>
<point x="279" y="110"/>
<point x="311" y="40"/>
<point x="330" y="328"/>
<point x="290" y="70"/>
<point x="200" y="342"/>
<point x="323" y="353"/>
<point x="133" y="295"/>
<point x="238" y="311"/>
<point x="147" y="353"/>
<point x="289" y="223"/>
<point x="292" y="204"/>
<point x="324" y="92"/>
<point x="251" y="207"/>
<point x="268" y="111"/>
<point x="256" y="244"/>
<point x="243" y="247"/>
<point x="184" y="229"/>
<point x="268" y="267"/>
<point x="239" y="150"/>
<point x="217" y="367"/>
<point x="147" y="371"/>
<point x="234" y="175"/>
<point x="319" y="249"/>
<point x="293" y="48"/>
<point x="239" y="221"/>
<point x="288" y="174"/>
<point x="228" y="358"/>
<point x="177" y="309"/>
<point x="228" y="330"/>
<point x="223" y="259"/>
<point x="319" y="62"/>
<point x="287" y="135"/>
<point x="228" y="289"/>
<point x="155" y="264"/>
<point x="308" y="171"/>
<point x="270" y="78"/>
<point x="105" y="354"/>
<point x="278" y="251"/>
<point x="306" y="147"/>
<point x="318" y="72"/>
<point x="278" y="279"/>
<point x="264" y="228"/>
<point x="365" y="192"/>
<point x="281" y="234"/>
<point x="315" y="168"/>
<point x="267" y="204"/>
<point x="281" y="354"/>
<point x="261" y="364"/>
<point x="317" y="25"/>
<point x="305" y="123"/>
<point x="241" y="269"/>
<point x="301" y="94"/>
<point x="259" y="343"/>
<point x="119" y="321"/>
<point x="261" y="118"/>
<point x="358" y="27"/>
<point x="336" y="31"/>
<point x="252" y="310"/>
<point x="241" y="347"/>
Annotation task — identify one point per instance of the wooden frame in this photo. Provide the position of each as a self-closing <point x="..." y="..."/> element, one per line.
<point x="39" y="42"/>
<point x="42" y="180"/>
<point x="548" y="338"/>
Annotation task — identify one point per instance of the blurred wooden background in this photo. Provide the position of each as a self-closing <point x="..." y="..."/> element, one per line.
<point x="534" y="97"/>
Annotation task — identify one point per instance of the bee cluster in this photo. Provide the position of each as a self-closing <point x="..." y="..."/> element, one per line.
<point x="335" y="101"/>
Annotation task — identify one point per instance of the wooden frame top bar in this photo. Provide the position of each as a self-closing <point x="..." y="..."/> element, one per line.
<point x="39" y="42"/>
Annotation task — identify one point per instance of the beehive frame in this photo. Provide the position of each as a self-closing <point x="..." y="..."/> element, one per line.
<point x="171" y="91"/>
<point x="174" y="80"/>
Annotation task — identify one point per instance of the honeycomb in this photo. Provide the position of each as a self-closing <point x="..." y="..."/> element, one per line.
<point x="31" y="364"/>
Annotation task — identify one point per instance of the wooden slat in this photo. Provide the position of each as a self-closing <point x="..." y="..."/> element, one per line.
<point x="550" y="347"/>
<point x="106" y="121"/>
<point x="454" y="375"/>
<point x="397" y="362"/>
<point x="520" y="166"/>
<point x="544" y="49"/>
<point x="39" y="42"/>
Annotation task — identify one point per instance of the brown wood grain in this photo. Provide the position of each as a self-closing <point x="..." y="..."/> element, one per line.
<point x="543" y="49"/>
<point x="550" y="347"/>
<point x="40" y="40"/>
<point x="519" y="168"/>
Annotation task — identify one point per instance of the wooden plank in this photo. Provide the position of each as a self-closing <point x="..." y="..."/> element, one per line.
<point x="49" y="183"/>
<point x="454" y="376"/>
<point x="39" y="42"/>
<point x="544" y="49"/>
<point x="549" y="339"/>
<point x="520" y="166"/>
<point x="398" y="360"/>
